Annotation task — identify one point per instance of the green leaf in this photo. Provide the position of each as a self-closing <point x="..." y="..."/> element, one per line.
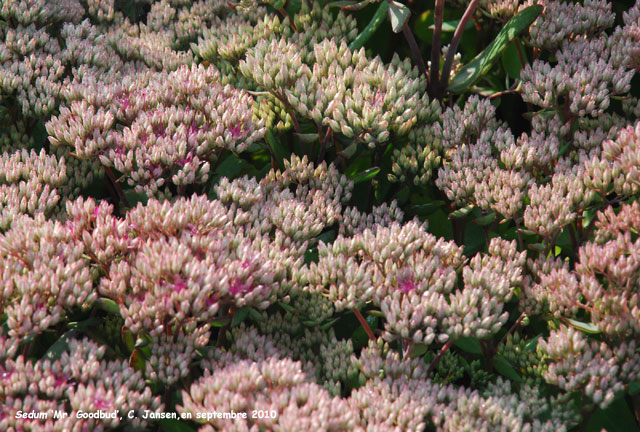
<point x="427" y="208"/>
<point x="418" y="350"/>
<point x="617" y="417"/>
<point x="398" y="14"/>
<point x="450" y="26"/>
<point x="239" y="316"/>
<point x="634" y="387"/>
<point x="220" y="322"/>
<point x="526" y="231"/>
<point x="460" y="213"/>
<point x="136" y="360"/>
<point x="129" y="10"/>
<point x="349" y="151"/>
<point x="504" y="368"/>
<point x="584" y="327"/>
<point x="279" y="151"/>
<point x="61" y="345"/>
<point x="127" y="339"/>
<point x="540" y="247"/>
<point x="365" y="175"/>
<point x="83" y="325"/>
<point x="327" y="236"/>
<point x="279" y="4"/>
<point x="328" y="324"/>
<point x="108" y="305"/>
<point x="174" y="425"/>
<point x="511" y="60"/>
<point x="485" y="220"/>
<point x="468" y="344"/>
<point x="311" y="255"/>
<point x="349" y="4"/>
<point x="546" y="113"/>
<point x="587" y="217"/>
<point x="306" y="137"/>
<point x="359" y="335"/>
<point x="480" y="65"/>
<point x="39" y="134"/>
<point x="133" y="198"/>
<point x="141" y="342"/>
<point x="532" y="344"/>
<point x="293" y="6"/>
<point x="287" y="308"/>
<point x="371" y="28"/>
<point x="422" y="26"/>
<point x="255" y="315"/>
<point x="375" y="313"/>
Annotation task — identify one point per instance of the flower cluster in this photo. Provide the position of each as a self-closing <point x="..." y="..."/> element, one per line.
<point x="341" y="89"/>
<point x="159" y="128"/>
<point x="28" y="184"/>
<point x="79" y="380"/>
<point x="44" y="275"/>
<point x="602" y="284"/>
<point x="562" y="21"/>
<point x="249" y="209"/>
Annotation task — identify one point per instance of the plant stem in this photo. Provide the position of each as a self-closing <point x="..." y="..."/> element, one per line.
<point x="435" y="47"/>
<point x="520" y="242"/>
<point x="513" y="328"/>
<point x="442" y="352"/>
<point x="552" y="243"/>
<point x="415" y="50"/>
<point x="116" y="186"/>
<point x="364" y="324"/>
<point x="523" y="62"/>
<point x="453" y="47"/>
<point x="635" y="399"/>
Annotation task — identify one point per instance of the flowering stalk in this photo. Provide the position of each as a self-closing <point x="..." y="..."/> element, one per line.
<point x="364" y="324"/>
<point x="116" y="186"/>
<point x="434" y="80"/>
<point x="453" y="47"/>
<point x="439" y="356"/>
<point x="415" y="50"/>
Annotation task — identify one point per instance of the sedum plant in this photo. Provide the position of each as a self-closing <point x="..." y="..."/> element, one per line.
<point x="291" y="215"/>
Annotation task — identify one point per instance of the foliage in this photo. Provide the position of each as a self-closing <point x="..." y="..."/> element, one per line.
<point x="326" y="215"/>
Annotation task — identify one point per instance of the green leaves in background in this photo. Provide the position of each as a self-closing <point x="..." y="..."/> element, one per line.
<point x="504" y="368"/>
<point x="511" y="59"/>
<point x="279" y="151"/>
<point x="371" y="28"/>
<point x="398" y="15"/>
<point x="61" y="345"/>
<point x="617" y="417"/>
<point x="365" y="175"/>
<point x="480" y="65"/>
<point x="583" y="327"/>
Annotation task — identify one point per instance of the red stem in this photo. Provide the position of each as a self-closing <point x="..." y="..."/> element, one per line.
<point x="415" y="50"/>
<point x="116" y="186"/>
<point x="442" y="352"/>
<point x="455" y="41"/>
<point x="435" y="46"/>
<point x="364" y="324"/>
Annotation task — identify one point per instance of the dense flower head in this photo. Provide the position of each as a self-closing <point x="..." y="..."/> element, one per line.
<point x="44" y="275"/>
<point x="163" y="128"/>
<point x="28" y="184"/>
<point x="598" y="369"/>
<point x="561" y="21"/>
<point x="412" y="277"/>
<point x="81" y="379"/>
<point x="275" y="208"/>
